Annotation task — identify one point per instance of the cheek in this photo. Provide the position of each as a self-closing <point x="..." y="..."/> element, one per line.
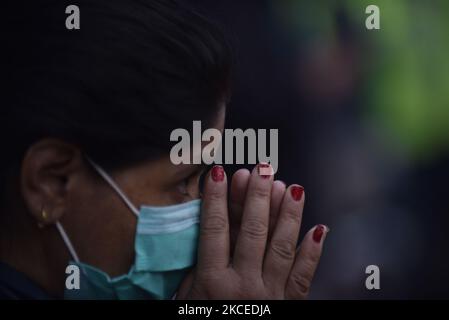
<point x="101" y="228"/>
<point x="153" y="196"/>
<point x="167" y="197"/>
<point x="194" y="187"/>
<point x="147" y="187"/>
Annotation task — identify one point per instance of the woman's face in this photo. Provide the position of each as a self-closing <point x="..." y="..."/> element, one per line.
<point x="99" y="224"/>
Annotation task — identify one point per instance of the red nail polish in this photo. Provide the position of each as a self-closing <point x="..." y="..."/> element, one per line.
<point x="265" y="170"/>
<point x="318" y="233"/>
<point x="297" y="192"/>
<point x="217" y="173"/>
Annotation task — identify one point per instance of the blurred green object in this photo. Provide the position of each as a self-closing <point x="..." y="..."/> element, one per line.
<point x="408" y="90"/>
<point x="405" y="65"/>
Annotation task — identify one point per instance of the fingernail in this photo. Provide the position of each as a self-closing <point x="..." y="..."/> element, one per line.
<point x="217" y="173"/>
<point x="318" y="233"/>
<point x="265" y="170"/>
<point x="297" y="192"/>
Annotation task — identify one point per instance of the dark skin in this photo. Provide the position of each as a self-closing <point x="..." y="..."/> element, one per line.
<point x="56" y="178"/>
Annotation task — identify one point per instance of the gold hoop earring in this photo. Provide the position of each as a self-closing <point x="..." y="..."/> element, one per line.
<point x="44" y="216"/>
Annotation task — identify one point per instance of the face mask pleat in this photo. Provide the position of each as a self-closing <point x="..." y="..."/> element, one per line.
<point x="171" y="221"/>
<point x="167" y="252"/>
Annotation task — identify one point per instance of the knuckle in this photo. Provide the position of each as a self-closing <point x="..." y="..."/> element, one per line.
<point x="260" y="192"/>
<point x="300" y="286"/>
<point x="311" y="260"/>
<point x="214" y="224"/>
<point x="292" y="215"/>
<point x="284" y="249"/>
<point x="214" y="195"/>
<point x="255" y="229"/>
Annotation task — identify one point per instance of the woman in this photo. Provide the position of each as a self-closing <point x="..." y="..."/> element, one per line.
<point x="92" y="207"/>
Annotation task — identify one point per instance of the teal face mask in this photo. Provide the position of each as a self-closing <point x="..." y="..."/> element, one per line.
<point x="165" y="247"/>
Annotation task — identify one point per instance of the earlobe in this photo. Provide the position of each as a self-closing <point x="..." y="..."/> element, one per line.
<point x="47" y="168"/>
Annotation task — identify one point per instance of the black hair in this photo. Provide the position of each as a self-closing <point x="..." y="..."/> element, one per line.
<point x="117" y="87"/>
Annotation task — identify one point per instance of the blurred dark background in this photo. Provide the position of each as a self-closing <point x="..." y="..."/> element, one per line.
<point x="363" y="121"/>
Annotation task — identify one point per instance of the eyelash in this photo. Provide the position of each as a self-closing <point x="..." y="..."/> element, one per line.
<point x="184" y="184"/>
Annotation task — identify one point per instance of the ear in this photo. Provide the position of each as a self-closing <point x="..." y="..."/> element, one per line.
<point x="48" y="167"/>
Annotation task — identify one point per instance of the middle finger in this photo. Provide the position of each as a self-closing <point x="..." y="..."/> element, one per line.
<point x="252" y="238"/>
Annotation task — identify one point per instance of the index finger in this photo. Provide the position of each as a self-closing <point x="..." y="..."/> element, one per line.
<point x="213" y="250"/>
<point x="237" y="195"/>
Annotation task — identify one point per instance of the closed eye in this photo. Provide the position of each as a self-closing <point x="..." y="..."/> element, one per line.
<point x="191" y="186"/>
<point x="182" y="187"/>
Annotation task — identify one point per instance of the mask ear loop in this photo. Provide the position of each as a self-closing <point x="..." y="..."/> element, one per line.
<point x="114" y="186"/>
<point x="67" y="242"/>
<point x="69" y="245"/>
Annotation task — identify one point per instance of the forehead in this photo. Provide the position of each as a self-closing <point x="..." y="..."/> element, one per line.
<point x="164" y="163"/>
<point x="197" y="146"/>
<point x="219" y="121"/>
